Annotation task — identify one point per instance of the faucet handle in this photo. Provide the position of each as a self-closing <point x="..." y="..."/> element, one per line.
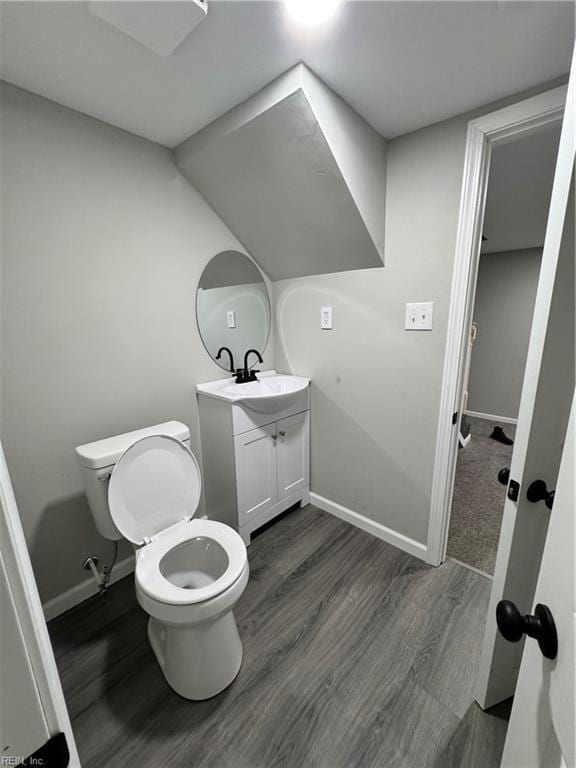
<point x="252" y="374"/>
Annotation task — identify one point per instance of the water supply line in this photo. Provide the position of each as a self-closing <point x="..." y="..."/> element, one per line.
<point x="101" y="576"/>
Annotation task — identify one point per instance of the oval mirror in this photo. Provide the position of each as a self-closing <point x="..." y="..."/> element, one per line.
<point x="232" y="309"/>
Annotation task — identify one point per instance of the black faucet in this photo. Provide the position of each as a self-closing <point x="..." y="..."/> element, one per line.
<point x="225" y="349"/>
<point x="245" y="374"/>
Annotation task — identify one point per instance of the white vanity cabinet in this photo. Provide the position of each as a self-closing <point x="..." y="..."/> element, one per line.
<point x="271" y="465"/>
<point x="255" y="465"/>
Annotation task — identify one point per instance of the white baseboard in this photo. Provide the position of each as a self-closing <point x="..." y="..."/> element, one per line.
<point x="87" y="588"/>
<point x="84" y="590"/>
<point x="491" y="417"/>
<point x="370" y="526"/>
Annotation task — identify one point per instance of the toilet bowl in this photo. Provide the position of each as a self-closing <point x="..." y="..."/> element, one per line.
<point x="189" y="572"/>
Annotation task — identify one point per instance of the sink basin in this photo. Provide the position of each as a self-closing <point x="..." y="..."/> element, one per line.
<point x="272" y="392"/>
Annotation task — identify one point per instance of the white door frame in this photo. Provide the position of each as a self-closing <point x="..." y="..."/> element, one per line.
<point x="29" y="608"/>
<point x="485" y="132"/>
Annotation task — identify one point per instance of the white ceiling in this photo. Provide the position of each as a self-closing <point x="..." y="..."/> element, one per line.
<point x="401" y="65"/>
<point x="519" y="189"/>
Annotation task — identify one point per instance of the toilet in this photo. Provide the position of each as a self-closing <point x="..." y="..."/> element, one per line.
<point x="190" y="572"/>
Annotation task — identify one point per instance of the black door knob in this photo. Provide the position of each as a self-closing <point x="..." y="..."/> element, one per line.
<point x="504" y="475"/>
<point x="540" y="626"/>
<point x="538" y="491"/>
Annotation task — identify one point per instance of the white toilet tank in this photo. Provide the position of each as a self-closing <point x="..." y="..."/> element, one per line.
<point x="98" y="459"/>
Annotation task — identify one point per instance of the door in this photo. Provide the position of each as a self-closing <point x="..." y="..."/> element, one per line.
<point x="256" y="484"/>
<point x="542" y="422"/>
<point x="23" y="727"/>
<point x="34" y="722"/>
<point x="541" y="730"/>
<point x="292" y="455"/>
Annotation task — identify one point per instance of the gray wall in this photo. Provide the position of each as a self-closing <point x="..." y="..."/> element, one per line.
<point x="375" y="387"/>
<point x="503" y="310"/>
<point x="103" y="244"/>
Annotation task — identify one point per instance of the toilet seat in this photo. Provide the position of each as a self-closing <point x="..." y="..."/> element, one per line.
<point x="153" y="493"/>
<point x="154" y="484"/>
<point x="151" y="580"/>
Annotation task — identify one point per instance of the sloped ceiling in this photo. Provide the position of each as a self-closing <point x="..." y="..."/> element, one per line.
<point x="519" y="191"/>
<point x="297" y="176"/>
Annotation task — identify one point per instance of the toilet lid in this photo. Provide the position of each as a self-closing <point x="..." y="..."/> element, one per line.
<point x="155" y="483"/>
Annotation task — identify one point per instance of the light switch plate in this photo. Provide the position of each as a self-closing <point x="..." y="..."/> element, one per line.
<point x="231" y="318"/>
<point x="326" y="318"/>
<point x="419" y="316"/>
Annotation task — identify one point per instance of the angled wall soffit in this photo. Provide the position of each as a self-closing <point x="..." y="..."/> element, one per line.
<point x="297" y="176"/>
<point x="160" y="27"/>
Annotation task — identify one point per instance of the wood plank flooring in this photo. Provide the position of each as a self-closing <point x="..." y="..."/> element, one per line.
<point x="355" y="654"/>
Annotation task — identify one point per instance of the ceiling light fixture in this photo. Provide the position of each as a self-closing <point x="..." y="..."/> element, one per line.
<point x="312" y="12"/>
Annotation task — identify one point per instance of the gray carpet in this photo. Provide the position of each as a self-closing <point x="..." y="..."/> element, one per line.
<point x="478" y="501"/>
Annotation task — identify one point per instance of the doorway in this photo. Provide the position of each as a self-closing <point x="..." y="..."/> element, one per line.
<point x="485" y="134"/>
<point x="548" y="382"/>
<point x="514" y="226"/>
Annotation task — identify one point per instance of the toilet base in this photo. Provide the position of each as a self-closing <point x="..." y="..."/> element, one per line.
<point x="198" y="660"/>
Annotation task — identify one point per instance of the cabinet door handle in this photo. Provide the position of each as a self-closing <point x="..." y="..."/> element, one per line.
<point x="282" y="433"/>
<point x="273" y="437"/>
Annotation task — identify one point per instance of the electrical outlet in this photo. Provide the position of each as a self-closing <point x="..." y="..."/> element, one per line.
<point x="231" y="318"/>
<point x="419" y="316"/>
<point x="326" y="318"/>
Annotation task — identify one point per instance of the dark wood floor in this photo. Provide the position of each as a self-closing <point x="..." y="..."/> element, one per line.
<point x="355" y="654"/>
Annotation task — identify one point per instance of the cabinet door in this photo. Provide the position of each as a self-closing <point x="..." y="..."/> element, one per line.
<point x="256" y="482"/>
<point x="292" y="455"/>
